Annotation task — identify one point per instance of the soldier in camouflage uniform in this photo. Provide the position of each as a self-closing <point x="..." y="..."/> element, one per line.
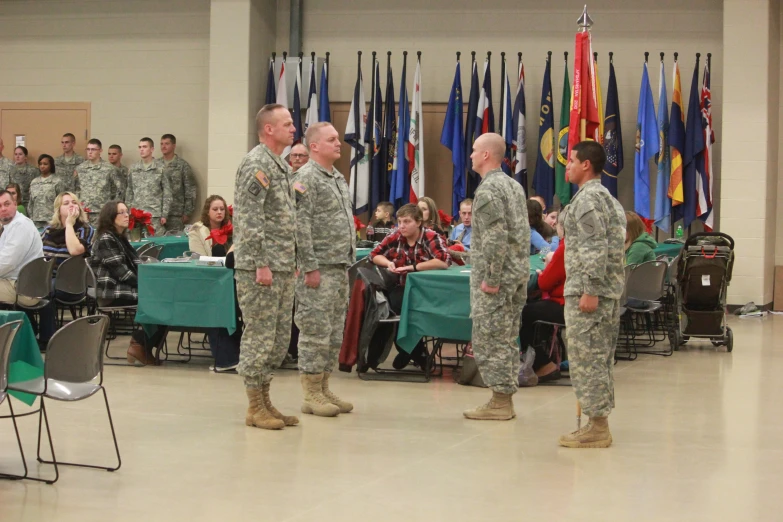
<point x="43" y="192"/>
<point x="97" y="182"/>
<point x="500" y="255"/>
<point x="594" y="226"/>
<point x="183" y="184"/>
<point x="264" y="250"/>
<point x="23" y="173"/>
<point x="325" y="247"/>
<point x="66" y="163"/>
<point x="115" y="158"/>
<point x="149" y="188"/>
<point x="5" y="167"/>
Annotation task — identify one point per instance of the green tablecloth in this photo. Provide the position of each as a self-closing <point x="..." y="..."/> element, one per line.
<point x="668" y="249"/>
<point x="184" y="294"/>
<point x="361" y="253"/>
<point x="437" y="304"/>
<point x="173" y="246"/>
<point x="25" y="362"/>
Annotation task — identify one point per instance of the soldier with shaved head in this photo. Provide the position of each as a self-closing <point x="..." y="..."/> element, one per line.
<point x="500" y="255"/>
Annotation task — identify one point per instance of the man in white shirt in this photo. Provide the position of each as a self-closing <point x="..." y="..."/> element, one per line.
<point x="462" y="232"/>
<point x="19" y="244"/>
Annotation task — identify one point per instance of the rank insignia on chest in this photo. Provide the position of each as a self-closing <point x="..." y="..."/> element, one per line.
<point x="263" y="179"/>
<point x="300" y="188"/>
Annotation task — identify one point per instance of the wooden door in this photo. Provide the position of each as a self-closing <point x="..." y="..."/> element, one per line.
<point x="42" y="125"/>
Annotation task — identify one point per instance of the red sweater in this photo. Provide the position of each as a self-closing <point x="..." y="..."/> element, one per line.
<point x="552" y="279"/>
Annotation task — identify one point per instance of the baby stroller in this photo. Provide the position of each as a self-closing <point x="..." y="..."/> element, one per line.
<point x="703" y="275"/>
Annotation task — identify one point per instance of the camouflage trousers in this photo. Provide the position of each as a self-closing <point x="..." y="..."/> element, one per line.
<point x="93" y="216"/>
<point x="320" y="317"/>
<point x="40" y="224"/>
<point x="174" y="223"/>
<point x="495" y="345"/>
<point x="266" y="311"/>
<point x="591" y="340"/>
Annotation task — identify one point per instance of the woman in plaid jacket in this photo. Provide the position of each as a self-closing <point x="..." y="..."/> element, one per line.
<point x="116" y="266"/>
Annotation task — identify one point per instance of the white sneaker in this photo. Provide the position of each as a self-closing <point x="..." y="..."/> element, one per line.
<point x="224" y="369"/>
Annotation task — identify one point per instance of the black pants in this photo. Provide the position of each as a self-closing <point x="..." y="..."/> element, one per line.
<point x="544" y="310"/>
<point x="385" y="330"/>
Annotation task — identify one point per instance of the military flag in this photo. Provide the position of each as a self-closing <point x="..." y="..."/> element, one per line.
<point x="613" y="135"/>
<point x="562" y="186"/>
<point x="646" y="146"/>
<point x="544" y="177"/>
<point x="374" y="139"/>
<point x="389" y="148"/>
<point x="694" y="150"/>
<point x="518" y="126"/>
<point x="584" y="119"/>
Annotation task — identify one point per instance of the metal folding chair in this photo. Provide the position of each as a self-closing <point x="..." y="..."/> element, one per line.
<point x="143" y="248"/>
<point x="35" y="282"/>
<point x="71" y="278"/>
<point x="112" y="312"/>
<point x="7" y="334"/>
<point x="647" y="284"/>
<point x="74" y="360"/>
<point x="153" y="252"/>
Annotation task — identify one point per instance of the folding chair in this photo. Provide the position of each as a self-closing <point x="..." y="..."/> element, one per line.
<point x="153" y="252"/>
<point x="557" y="348"/>
<point x="171" y="233"/>
<point x="71" y="278"/>
<point x="112" y="312"/>
<point x="646" y="283"/>
<point x="35" y="282"/>
<point x="74" y="360"/>
<point x="7" y="333"/>
<point x="144" y="247"/>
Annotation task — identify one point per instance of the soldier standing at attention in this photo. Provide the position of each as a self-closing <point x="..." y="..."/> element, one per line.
<point x="595" y="231"/>
<point x="500" y="254"/>
<point x="66" y="163"/>
<point x="43" y="192"/>
<point x="23" y="174"/>
<point x="264" y="250"/>
<point x="5" y="167"/>
<point x="115" y="158"/>
<point x="149" y="189"/>
<point x="97" y="181"/>
<point x="325" y="248"/>
<point x="183" y="184"/>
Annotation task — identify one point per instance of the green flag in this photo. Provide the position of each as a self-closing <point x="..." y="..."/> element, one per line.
<point x="562" y="188"/>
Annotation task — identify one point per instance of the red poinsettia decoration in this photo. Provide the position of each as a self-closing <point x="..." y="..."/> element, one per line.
<point x="85" y="207"/>
<point x="141" y="218"/>
<point x="648" y="223"/>
<point x="230" y="211"/>
<point x="221" y="235"/>
<point x="357" y="224"/>
<point x="444" y="218"/>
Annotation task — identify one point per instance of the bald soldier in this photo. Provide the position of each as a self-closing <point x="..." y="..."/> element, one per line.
<point x="325" y="248"/>
<point x="264" y="251"/>
<point x="298" y="156"/>
<point x="500" y="255"/>
<point x="594" y="226"/>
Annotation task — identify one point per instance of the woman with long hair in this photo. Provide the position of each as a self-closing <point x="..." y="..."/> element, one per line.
<point x="213" y="235"/>
<point x="639" y="245"/>
<point x="429" y="210"/>
<point x="542" y="236"/>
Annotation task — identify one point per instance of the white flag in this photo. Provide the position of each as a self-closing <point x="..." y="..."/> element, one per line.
<point x="354" y="136"/>
<point x="415" y="140"/>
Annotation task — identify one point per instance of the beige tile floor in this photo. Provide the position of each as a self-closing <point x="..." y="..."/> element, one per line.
<point x="696" y="437"/>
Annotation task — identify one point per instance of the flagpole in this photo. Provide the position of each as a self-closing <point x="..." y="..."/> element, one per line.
<point x="356" y="128"/>
<point x="671" y="229"/>
<point x="373" y="101"/>
<point x="657" y="228"/>
<point x="502" y="87"/>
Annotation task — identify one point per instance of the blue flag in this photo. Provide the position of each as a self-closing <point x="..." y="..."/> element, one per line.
<point x="470" y="131"/>
<point x="518" y="124"/>
<point x="297" y="113"/>
<point x="663" y="204"/>
<point x="544" y="177"/>
<point x="613" y="136"/>
<point x="646" y="147"/>
<point x="271" y="95"/>
<point x="694" y="150"/>
<point x="389" y="134"/>
<point x="451" y="137"/>
<point x="508" y="126"/>
<point x="374" y="139"/>
<point x="400" y="185"/>
<point x="324" y="112"/>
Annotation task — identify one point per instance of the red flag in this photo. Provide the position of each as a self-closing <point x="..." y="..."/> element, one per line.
<point x="585" y="121"/>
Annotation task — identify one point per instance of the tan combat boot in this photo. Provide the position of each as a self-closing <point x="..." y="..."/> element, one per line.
<point x="594" y="435"/>
<point x="289" y="420"/>
<point x="345" y="406"/>
<point x="499" y="407"/>
<point x="314" y="400"/>
<point x="257" y="414"/>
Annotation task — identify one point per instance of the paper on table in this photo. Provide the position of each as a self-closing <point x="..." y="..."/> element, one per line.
<point x="211" y="261"/>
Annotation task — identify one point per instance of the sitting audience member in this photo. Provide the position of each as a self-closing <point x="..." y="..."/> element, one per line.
<point x="15" y="190"/>
<point x="116" y="266"/>
<point x="383" y="224"/>
<point x="542" y="236"/>
<point x="410" y="248"/>
<point x="212" y="236"/>
<point x="639" y="245"/>
<point x="19" y="244"/>
<point x="550" y="308"/>
<point x="551" y="218"/>
<point x="43" y="192"/>
<point x="431" y="219"/>
<point x="540" y="201"/>
<point x="461" y="233"/>
<point x="69" y="234"/>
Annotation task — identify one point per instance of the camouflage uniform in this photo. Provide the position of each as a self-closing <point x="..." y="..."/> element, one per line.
<point x="5" y="171"/>
<point x="183" y="190"/>
<point x="65" y="167"/>
<point x="264" y="229"/>
<point x="500" y="255"/>
<point x="96" y="184"/>
<point x="325" y="241"/>
<point x="43" y="192"/>
<point x="24" y="175"/>
<point x="595" y="231"/>
<point x="149" y="189"/>
<point x="122" y="179"/>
